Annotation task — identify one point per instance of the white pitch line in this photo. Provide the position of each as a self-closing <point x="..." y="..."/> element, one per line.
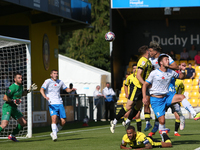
<point x="63" y="133"/>
<point x="197" y="148"/>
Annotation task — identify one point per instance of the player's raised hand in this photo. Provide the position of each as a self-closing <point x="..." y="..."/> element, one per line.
<point x="182" y="66"/>
<point x="32" y="88"/>
<point x="17" y="101"/>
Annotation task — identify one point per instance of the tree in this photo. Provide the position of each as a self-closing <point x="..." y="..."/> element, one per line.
<point x="88" y="45"/>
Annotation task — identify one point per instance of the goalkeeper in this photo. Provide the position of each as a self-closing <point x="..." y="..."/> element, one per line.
<point x="12" y="99"/>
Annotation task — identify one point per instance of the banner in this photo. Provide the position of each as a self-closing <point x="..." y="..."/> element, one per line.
<point x="153" y="3"/>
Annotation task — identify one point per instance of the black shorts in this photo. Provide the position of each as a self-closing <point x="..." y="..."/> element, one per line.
<point x="172" y="108"/>
<point x="135" y="93"/>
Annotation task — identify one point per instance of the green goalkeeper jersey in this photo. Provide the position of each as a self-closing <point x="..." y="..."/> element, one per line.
<point x="14" y="92"/>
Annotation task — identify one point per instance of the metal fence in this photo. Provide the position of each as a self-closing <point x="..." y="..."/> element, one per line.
<point x="82" y="105"/>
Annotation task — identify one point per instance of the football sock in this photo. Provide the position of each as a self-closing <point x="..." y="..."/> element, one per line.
<point x="166" y="138"/>
<point x="147" y="117"/>
<point x="1" y="129"/>
<point x="115" y="121"/>
<point x="139" y="124"/>
<point x="121" y="113"/>
<point x="188" y="107"/>
<point x="59" y="127"/>
<point x="133" y="113"/>
<point x="161" y="127"/>
<point x="178" y="109"/>
<point x="54" y="129"/>
<point x="177" y="124"/>
<point x="127" y="120"/>
<point x="17" y="129"/>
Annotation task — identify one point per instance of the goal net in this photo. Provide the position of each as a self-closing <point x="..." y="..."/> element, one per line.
<point x="15" y="57"/>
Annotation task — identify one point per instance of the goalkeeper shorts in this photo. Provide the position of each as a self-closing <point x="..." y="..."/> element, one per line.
<point x="10" y="111"/>
<point x="58" y="110"/>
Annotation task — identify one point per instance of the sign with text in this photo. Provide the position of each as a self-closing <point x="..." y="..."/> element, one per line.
<point x="39" y="116"/>
<point x="153" y="3"/>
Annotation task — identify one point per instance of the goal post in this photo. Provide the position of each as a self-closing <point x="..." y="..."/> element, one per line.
<point x="15" y="56"/>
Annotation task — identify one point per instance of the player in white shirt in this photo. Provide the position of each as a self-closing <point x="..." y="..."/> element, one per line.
<point x="160" y="80"/>
<point x="50" y="90"/>
<point x="155" y="50"/>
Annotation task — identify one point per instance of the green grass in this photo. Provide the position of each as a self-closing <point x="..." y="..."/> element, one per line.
<point x="98" y="137"/>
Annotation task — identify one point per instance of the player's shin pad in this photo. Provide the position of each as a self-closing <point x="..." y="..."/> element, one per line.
<point x="121" y="113"/>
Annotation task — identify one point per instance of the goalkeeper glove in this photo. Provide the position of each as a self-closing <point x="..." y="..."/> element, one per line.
<point x="32" y="88"/>
<point x="17" y="101"/>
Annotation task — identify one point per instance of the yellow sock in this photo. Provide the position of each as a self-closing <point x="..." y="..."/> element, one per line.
<point x="138" y="120"/>
<point x="177" y="120"/>
<point x="168" y="141"/>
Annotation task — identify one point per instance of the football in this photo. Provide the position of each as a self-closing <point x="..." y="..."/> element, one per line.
<point x="110" y="36"/>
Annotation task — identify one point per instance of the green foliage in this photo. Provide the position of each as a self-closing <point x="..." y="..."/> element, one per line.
<point x="88" y="45"/>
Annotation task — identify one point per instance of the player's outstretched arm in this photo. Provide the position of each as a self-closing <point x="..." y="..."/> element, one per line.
<point x="32" y="88"/>
<point x="174" y="66"/>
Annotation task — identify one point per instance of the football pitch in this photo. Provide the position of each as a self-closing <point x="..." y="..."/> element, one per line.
<point x="98" y="137"/>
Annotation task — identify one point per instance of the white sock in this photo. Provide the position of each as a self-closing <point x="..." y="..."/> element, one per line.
<point x="128" y="120"/>
<point x="161" y="127"/>
<point x="178" y="109"/>
<point x="175" y="132"/>
<point x="54" y="129"/>
<point x="59" y="127"/>
<point x="147" y="122"/>
<point x="115" y="121"/>
<point x="188" y="107"/>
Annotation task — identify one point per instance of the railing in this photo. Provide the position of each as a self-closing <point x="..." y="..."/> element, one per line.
<point x="82" y="105"/>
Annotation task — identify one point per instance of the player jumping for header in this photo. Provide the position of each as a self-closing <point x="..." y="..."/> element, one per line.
<point x="160" y="80"/>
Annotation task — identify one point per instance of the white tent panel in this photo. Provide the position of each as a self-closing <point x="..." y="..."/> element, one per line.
<point x="84" y="77"/>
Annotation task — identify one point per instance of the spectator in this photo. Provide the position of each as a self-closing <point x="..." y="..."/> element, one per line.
<point x="190" y="72"/>
<point x="192" y="53"/>
<point x="109" y="101"/>
<point x="97" y="102"/>
<point x="172" y="54"/>
<point x="184" y="54"/>
<point x="197" y="58"/>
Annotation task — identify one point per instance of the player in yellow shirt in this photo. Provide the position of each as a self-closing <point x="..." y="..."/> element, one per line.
<point x="138" y="140"/>
<point x="128" y="82"/>
<point x="143" y="70"/>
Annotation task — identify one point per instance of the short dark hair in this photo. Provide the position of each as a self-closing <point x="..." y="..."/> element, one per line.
<point x="189" y="64"/>
<point x="161" y="58"/>
<point x="142" y="50"/>
<point x="134" y="65"/>
<point x="155" y="46"/>
<point x="54" y="70"/>
<point x="131" y="127"/>
<point x="107" y="82"/>
<point x="17" y="73"/>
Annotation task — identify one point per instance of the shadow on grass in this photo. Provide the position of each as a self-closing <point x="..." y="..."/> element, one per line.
<point x="71" y="125"/>
<point x="186" y="142"/>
